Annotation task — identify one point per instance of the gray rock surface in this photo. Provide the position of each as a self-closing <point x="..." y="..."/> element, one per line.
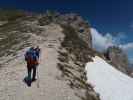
<point x="118" y="58"/>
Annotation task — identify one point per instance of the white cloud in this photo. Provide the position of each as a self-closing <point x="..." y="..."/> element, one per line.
<point x="102" y="42"/>
<point x="127" y="47"/>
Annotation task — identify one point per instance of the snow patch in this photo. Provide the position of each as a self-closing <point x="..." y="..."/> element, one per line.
<point x="110" y="83"/>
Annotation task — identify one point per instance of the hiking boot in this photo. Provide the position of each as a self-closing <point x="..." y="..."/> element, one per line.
<point x="29" y="84"/>
<point x="34" y="79"/>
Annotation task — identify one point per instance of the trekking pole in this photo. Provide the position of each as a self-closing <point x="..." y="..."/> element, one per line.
<point x="38" y="79"/>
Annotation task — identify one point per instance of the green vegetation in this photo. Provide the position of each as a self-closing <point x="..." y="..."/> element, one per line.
<point x="48" y="18"/>
<point x="74" y="54"/>
<point x="74" y="44"/>
<point x="10" y="15"/>
<point x="11" y="31"/>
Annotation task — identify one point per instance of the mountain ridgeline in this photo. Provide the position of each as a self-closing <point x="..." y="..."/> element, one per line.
<point x="21" y="29"/>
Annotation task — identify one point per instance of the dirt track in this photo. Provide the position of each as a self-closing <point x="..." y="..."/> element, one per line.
<point x="12" y="86"/>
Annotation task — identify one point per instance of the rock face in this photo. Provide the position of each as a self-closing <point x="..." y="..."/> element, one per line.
<point x="80" y="25"/>
<point x="118" y="58"/>
<point x="131" y="70"/>
<point x="73" y="56"/>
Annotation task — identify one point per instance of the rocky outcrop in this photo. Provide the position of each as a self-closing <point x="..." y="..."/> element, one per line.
<point x="118" y="58"/>
<point x="74" y="20"/>
<point x="80" y="25"/>
<point x="73" y="55"/>
<point x="130" y="70"/>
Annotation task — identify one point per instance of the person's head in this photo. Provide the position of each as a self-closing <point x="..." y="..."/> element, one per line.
<point x="37" y="47"/>
<point x="31" y="48"/>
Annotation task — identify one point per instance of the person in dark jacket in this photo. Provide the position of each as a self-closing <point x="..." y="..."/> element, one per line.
<point x="32" y="60"/>
<point x="37" y="51"/>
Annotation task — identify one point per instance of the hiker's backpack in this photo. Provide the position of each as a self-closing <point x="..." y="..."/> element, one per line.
<point x="37" y="52"/>
<point x="31" y="57"/>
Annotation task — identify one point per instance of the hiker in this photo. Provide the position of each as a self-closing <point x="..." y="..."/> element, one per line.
<point x="32" y="59"/>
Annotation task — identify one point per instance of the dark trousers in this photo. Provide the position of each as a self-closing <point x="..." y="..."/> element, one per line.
<point x="30" y="68"/>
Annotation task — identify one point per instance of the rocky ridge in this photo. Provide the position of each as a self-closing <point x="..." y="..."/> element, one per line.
<point x="70" y="54"/>
<point x="118" y="58"/>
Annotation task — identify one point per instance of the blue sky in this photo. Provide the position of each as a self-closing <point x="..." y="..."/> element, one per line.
<point x="106" y="16"/>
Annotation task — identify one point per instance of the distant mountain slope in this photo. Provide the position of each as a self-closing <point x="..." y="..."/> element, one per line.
<point x="108" y="81"/>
